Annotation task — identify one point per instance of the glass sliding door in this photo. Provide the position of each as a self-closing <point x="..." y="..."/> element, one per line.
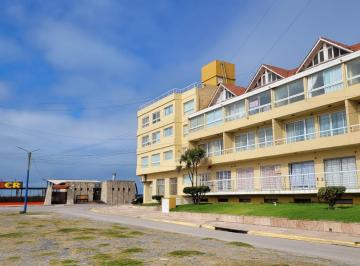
<point x="300" y="130"/>
<point x="245" y="179"/>
<point x="325" y="81"/>
<point x="333" y="124"/>
<point x="223" y="180"/>
<point x="235" y="111"/>
<point x="245" y="141"/>
<point x="271" y="177"/>
<point x="302" y="175"/>
<point x="260" y="102"/>
<point x="265" y="137"/>
<point x="341" y="172"/>
<point x="353" y="72"/>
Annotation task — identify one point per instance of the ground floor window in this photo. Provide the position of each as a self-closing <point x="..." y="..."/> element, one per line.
<point x="271" y="177"/>
<point x="173" y="186"/>
<point x="302" y="175"/>
<point x="245" y="179"/>
<point x="341" y="172"/>
<point x="223" y="180"/>
<point x="160" y="187"/>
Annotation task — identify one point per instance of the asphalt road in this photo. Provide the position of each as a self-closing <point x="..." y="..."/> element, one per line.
<point x="335" y="253"/>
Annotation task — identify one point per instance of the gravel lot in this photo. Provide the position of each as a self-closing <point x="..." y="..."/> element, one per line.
<point x="49" y="239"/>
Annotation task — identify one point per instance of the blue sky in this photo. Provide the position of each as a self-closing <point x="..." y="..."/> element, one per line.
<point x="72" y="73"/>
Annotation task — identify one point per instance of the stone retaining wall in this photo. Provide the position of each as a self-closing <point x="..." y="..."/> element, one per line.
<point x="321" y="226"/>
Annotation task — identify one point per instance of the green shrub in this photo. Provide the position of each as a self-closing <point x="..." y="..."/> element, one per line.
<point x="157" y="198"/>
<point x="331" y="194"/>
<point x="197" y="193"/>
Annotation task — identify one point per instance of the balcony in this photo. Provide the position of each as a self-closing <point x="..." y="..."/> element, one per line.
<point x="285" y="184"/>
<point x="313" y="136"/>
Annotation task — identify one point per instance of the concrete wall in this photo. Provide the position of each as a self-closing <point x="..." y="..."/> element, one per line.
<point x="117" y="192"/>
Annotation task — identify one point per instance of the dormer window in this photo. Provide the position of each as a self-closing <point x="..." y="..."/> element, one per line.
<point x="266" y="78"/>
<point x="327" y="52"/>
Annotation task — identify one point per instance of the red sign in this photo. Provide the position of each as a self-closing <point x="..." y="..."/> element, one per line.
<point x="11" y="185"/>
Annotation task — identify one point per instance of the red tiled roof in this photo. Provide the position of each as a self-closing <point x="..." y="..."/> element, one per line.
<point x="355" y="47"/>
<point x="281" y="71"/>
<point x="236" y="90"/>
<point x="337" y="43"/>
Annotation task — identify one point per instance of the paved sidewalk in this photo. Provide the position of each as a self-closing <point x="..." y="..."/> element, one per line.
<point x="151" y="213"/>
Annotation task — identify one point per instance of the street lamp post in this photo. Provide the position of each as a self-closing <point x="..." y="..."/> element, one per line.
<point x="29" y="153"/>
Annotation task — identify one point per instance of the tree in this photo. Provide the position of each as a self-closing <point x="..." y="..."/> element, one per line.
<point x="190" y="161"/>
<point x="331" y="194"/>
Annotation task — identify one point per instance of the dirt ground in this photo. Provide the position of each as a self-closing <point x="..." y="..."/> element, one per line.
<point x="49" y="239"/>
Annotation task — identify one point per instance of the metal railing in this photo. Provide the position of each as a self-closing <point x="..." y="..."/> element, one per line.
<point x="280" y="183"/>
<point x="287" y="140"/>
<point x="170" y="92"/>
<point x="326" y="89"/>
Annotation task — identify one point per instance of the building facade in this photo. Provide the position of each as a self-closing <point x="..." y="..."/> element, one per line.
<point x="286" y="134"/>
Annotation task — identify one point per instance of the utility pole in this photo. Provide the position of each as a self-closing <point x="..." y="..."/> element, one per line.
<point x="29" y="153"/>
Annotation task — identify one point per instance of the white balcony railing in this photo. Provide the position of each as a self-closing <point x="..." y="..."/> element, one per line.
<point x="287" y="140"/>
<point x="170" y="92"/>
<point x="281" y="183"/>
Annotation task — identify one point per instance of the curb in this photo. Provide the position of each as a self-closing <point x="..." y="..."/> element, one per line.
<point x="257" y="233"/>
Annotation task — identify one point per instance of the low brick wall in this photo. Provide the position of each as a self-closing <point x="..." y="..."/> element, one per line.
<point x="321" y="226"/>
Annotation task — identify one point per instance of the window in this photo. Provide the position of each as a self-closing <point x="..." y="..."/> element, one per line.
<point x="289" y="93"/>
<point x="185" y="130"/>
<point x="245" y="141"/>
<point x="353" y="72"/>
<point x="224" y="95"/>
<point x="265" y="137"/>
<point x="341" y="172"/>
<point x="213" y="148"/>
<point x="168" y="131"/>
<point x="173" y="186"/>
<point x="325" y="81"/>
<point x="145" y="141"/>
<point x="156" y="117"/>
<point x="245" y="179"/>
<point x="168" y="155"/>
<point x="144" y="162"/>
<point x="260" y="102"/>
<point x="186" y="181"/>
<point x="223" y="179"/>
<point x="156" y="137"/>
<point x="302" y="175"/>
<point x="197" y="122"/>
<point x="214" y="117"/>
<point x="333" y="124"/>
<point x="155" y="159"/>
<point x="235" y="111"/>
<point x="160" y="187"/>
<point x="168" y="110"/>
<point x="266" y="78"/>
<point x="145" y="121"/>
<point x="300" y="130"/>
<point x="204" y="179"/>
<point x="271" y="177"/>
<point x="189" y="107"/>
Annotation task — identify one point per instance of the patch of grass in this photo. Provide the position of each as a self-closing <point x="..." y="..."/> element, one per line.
<point x="48" y="254"/>
<point x="119" y="227"/>
<point x="293" y="211"/>
<point x="136" y="233"/>
<point x="69" y="230"/>
<point x="123" y="262"/>
<point x="13" y="258"/>
<point x="102" y="257"/>
<point x="240" y="244"/>
<point x="133" y="250"/>
<point x="116" y="234"/>
<point x="209" y="238"/>
<point x="185" y="253"/>
<point x="103" y="245"/>
<point x="12" y="235"/>
<point x="69" y="262"/>
<point x="84" y="238"/>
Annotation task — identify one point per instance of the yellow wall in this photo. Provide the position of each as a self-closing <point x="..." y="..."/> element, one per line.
<point x="218" y="71"/>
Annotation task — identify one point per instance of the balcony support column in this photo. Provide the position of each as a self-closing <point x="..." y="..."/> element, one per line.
<point x="228" y="140"/>
<point x="352" y="116"/>
<point x="278" y="132"/>
<point x="319" y="170"/>
<point x="306" y="89"/>
<point x="344" y="78"/>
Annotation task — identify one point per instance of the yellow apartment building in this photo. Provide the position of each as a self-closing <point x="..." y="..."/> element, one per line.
<point x="279" y="139"/>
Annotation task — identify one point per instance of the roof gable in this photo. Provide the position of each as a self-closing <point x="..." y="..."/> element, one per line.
<point x="279" y="73"/>
<point x="220" y="93"/>
<point x="319" y="45"/>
